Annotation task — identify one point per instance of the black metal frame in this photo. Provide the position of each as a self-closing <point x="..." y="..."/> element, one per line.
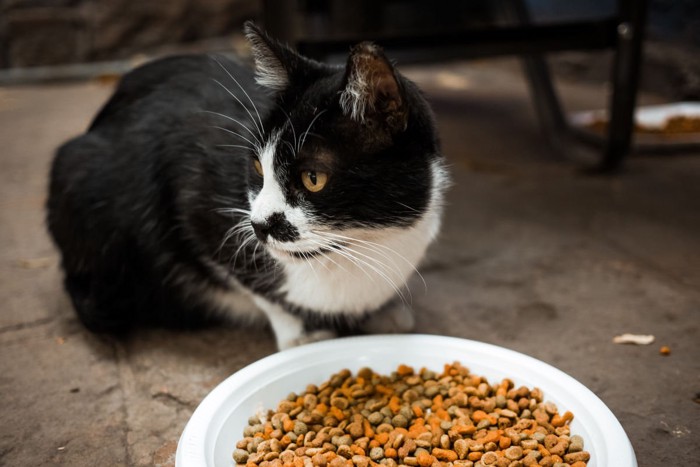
<point x="623" y="32"/>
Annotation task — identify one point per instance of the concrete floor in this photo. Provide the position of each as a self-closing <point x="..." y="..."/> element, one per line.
<point x="533" y="256"/>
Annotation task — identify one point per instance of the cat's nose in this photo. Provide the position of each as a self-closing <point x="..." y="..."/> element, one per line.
<point x="261" y="229"/>
<point x="276" y="226"/>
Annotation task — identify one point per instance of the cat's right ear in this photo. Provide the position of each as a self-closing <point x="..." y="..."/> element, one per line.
<point x="275" y="63"/>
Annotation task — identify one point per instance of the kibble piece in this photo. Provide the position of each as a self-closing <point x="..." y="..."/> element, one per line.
<point x="575" y="443"/>
<point x="445" y="455"/>
<point x="582" y="456"/>
<point x="344" y="451"/>
<point x="489" y="458"/>
<point x="376" y="454"/>
<point x="375" y="418"/>
<point x="240" y="456"/>
<point x="399" y="421"/>
<point x="514" y="453"/>
<point x="425" y="460"/>
<point x="461" y="447"/>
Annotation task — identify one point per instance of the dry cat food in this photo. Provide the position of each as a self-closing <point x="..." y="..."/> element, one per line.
<point x="409" y="418"/>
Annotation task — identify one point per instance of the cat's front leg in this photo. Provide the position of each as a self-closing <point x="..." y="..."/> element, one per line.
<point x="289" y="329"/>
<point x="395" y="317"/>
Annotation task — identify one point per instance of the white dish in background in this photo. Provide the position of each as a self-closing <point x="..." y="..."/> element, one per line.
<point x="211" y="434"/>
<point x="648" y="116"/>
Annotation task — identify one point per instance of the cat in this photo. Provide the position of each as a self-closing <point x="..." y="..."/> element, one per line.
<point x="302" y="193"/>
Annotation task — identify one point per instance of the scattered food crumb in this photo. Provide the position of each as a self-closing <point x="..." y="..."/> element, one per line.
<point x="37" y="263"/>
<point x="61" y="448"/>
<point x="60" y="340"/>
<point x="665" y="350"/>
<point x="677" y="431"/>
<point x="637" y="339"/>
<point x="74" y="390"/>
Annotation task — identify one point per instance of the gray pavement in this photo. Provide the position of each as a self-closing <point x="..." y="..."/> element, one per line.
<point x="533" y="256"/>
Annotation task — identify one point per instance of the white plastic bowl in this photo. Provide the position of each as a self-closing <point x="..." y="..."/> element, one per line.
<point x="211" y="434"/>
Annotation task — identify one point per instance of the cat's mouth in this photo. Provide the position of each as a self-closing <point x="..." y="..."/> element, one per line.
<point x="303" y="254"/>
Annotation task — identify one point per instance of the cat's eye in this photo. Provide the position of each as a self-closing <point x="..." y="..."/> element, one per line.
<point x="314" y="181"/>
<point x="258" y="167"/>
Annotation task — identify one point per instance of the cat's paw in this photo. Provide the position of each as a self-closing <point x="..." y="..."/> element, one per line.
<point x="307" y="338"/>
<point x="393" y="319"/>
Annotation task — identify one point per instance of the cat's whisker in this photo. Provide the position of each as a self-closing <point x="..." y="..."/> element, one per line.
<point x="231" y="210"/>
<point x="371" y="248"/>
<point x="261" y="127"/>
<point x="289" y="145"/>
<point x="315" y="135"/>
<point x="235" y="146"/>
<point x="322" y="246"/>
<point x="361" y="241"/>
<point x="241" y="247"/>
<point x="387" y="269"/>
<point x="243" y="223"/>
<point x="412" y="209"/>
<point x="230" y="233"/>
<point x="358" y="264"/>
<point x="303" y="138"/>
<point x="330" y="244"/>
<point x="235" y="121"/>
<point x="348" y="241"/>
<point x="255" y="251"/>
<point x="348" y="253"/>
<point x="242" y="105"/>
<point x="393" y="268"/>
<point x="291" y="125"/>
<point x="352" y="255"/>
<point x="241" y="227"/>
<point x="240" y="136"/>
<point x="308" y="261"/>
<point x="379" y="245"/>
<point x="335" y="246"/>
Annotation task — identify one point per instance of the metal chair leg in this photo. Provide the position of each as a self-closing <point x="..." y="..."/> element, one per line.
<point x="544" y="95"/>
<point x="625" y="81"/>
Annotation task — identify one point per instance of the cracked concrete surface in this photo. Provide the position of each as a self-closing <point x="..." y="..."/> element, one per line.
<point x="533" y="256"/>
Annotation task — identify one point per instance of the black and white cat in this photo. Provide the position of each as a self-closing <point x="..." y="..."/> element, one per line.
<point x="307" y="198"/>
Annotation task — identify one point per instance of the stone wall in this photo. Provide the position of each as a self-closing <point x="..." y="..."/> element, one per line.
<point x="50" y="32"/>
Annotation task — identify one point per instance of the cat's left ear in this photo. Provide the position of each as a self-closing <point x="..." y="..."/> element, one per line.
<point x="372" y="90"/>
<point x="275" y="63"/>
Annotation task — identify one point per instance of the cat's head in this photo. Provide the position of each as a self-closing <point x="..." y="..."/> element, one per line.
<point x="348" y="151"/>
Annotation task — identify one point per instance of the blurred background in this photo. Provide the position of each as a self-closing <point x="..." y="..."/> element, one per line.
<point x="58" y="32"/>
